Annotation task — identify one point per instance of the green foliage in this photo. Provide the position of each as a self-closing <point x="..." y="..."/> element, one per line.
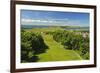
<point x="31" y="44"/>
<point x="73" y="41"/>
<point x="64" y="43"/>
<point x="86" y="56"/>
<point x="84" y="48"/>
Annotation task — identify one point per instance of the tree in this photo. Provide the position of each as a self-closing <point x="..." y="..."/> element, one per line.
<point x="74" y="41"/>
<point x="31" y="44"/>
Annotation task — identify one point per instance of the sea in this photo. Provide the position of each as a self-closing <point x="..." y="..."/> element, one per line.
<point x="44" y="26"/>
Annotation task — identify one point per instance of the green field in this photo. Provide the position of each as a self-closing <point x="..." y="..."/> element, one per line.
<point x="53" y="50"/>
<point x="56" y="52"/>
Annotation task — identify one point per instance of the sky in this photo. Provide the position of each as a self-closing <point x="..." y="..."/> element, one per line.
<point x="50" y="18"/>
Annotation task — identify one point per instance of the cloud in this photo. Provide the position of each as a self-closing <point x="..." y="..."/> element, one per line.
<point x="63" y="22"/>
<point x="32" y="20"/>
<point x="42" y="21"/>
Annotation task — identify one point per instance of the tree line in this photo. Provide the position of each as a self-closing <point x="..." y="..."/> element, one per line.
<point x="73" y="41"/>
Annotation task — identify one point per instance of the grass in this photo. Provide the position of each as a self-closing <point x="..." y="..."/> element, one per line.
<point x="49" y="29"/>
<point x="56" y="52"/>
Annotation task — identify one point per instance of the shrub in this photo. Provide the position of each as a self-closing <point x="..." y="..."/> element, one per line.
<point x="73" y="41"/>
<point x="31" y="44"/>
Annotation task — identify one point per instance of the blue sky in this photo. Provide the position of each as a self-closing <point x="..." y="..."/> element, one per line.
<point x="36" y="17"/>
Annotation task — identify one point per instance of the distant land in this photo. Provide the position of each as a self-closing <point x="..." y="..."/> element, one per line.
<point x="62" y="27"/>
<point x="45" y="26"/>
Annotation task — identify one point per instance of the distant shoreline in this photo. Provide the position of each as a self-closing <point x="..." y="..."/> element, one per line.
<point x="45" y="26"/>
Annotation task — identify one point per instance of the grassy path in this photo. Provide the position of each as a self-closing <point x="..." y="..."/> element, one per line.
<point x="56" y="52"/>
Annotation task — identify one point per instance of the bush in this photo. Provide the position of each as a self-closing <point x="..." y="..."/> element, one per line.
<point x="73" y="41"/>
<point x="31" y="44"/>
<point x="86" y="56"/>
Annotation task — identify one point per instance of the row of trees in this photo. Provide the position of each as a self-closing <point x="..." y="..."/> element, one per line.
<point x="73" y="41"/>
<point x="31" y="45"/>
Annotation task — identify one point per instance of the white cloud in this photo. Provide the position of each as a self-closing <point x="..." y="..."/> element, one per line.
<point x="51" y="22"/>
<point x="42" y="21"/>
<point x="29" y="20"/>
